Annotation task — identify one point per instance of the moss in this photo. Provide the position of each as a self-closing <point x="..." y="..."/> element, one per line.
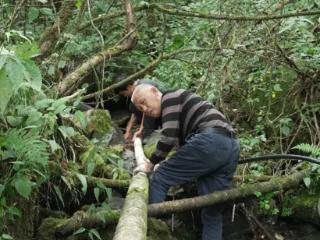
<point x="158" y="230"/>
<point x="151" y="144"/>
<point x="99" y="122"/>
<point x="110" y="171"/>
<point x="150" y="147"/>
<point x="81" y="141"/>
<point x="47" y="229"/>
<point x="91" y="156"/>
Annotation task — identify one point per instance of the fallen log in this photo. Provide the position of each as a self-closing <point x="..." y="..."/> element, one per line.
<point x="275" y="184"/>
<point x="246" y="190"/>
<point x="133" y="220"/>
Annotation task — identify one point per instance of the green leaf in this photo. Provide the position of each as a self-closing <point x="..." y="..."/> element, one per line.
<point x="96" y="191"/>
<point x="285" y="130"/>
<point x="67" y="131"/>
<point x="34" y="75"/>
<point x="2" y="187"/>
<point x="80" y="117"/>
<point x="90" y="167"/>
<point x="33" y="13"/>
<point x="6" y="90"/>
<point x="46" y="11"/>
<point x="65" y="180"/>
<point x="81" y="230"/>
<point x="83" y="181"/>
<point x="51" y="70"/>
<point x="27" y="50"/>
<point x="78" y="3"/>
<point x="61" y="64"/>
<point x="307" y="181"/>
<point x="59" y="194"/>
<point x="13" y="211"/>
<point x="23" y="186"/>
<point x="95" y="233"/>
<point x="54" y="145"/>
<point x="6" y="237"/>
<point x="3" y="60"/>
<point x="277" y="88"/>
<point x="44" y="103"/>
<point x="14" y="121"/>
<point x="15" y="72"/>
<point x="258" y="194"/>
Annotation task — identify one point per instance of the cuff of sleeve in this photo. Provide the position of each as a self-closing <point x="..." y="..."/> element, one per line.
<point x="155" y="160"/>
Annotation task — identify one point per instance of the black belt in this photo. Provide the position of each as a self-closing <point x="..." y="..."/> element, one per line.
<point x="217" y="130"/>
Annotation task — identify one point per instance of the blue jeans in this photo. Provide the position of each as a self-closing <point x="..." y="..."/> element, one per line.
<point x="209" y="157"/>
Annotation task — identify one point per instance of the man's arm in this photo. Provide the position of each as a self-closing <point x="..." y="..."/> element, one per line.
<point x="169" y="134"/>
<point x="131" y="123"/>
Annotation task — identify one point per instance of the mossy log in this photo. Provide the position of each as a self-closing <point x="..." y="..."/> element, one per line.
<point x="275" y="184"/>
<point x="93" y="181"/>
<point x="87" y="220"/>
<point x="246" y="190"/>
<point x="133" y="220"/>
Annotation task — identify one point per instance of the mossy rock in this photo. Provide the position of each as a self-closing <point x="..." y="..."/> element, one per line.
<point x="151" y="145"/>
<point x="81" y="141"/>
<point x="99" y="122"/>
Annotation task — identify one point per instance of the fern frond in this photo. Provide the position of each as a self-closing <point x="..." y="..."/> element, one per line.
<point x="308" y="148"/>
<point x="27" y="147"/>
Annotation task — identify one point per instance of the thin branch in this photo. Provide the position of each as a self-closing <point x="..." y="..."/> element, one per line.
<point x="197" y="14"/>
<point x="76" y="78"/>
<point x="178" y="12"/>
<point x="149" y="67"/>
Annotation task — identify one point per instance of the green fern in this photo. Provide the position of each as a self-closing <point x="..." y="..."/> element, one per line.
<point x="27" y="147"/>
<point x="308" y="148"/>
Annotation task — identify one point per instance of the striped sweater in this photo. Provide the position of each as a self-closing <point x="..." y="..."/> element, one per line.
<point x="183" y="113"/>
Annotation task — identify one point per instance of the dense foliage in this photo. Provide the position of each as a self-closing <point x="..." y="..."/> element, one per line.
<point x="262" y="73"/>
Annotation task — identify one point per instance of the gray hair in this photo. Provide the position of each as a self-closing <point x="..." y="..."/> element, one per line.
<point x="140" y="89"/>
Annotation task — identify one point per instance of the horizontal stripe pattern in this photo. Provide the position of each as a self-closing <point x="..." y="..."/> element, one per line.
<point x="183" y="113"/>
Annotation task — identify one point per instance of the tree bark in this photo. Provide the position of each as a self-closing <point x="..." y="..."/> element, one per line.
<point x="52" y="33"/>
<point x="73" y="80"/>
<point x="132" y="224"/>
<point x="247" y="190"/>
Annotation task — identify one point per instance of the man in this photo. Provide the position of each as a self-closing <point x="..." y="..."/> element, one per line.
<point x="207" y="149"/>
<point x="147" y="123"/>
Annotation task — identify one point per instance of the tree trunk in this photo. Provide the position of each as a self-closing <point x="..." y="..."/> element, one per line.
<point x="132" y="224"/>
<point x="247" y="190"/>
<point x="243" y="191"/>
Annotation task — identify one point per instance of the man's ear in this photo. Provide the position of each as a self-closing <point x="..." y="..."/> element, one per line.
<point x="154" y="89"/>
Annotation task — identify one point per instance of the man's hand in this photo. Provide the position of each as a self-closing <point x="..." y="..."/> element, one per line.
<point x="146" y="167"/>
<point x="128" y="136"/>
<point x="137" y="134"/>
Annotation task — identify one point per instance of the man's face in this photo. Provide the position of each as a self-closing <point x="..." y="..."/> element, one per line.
<point x="128" y="91"/>
<point x="149" y="102"/>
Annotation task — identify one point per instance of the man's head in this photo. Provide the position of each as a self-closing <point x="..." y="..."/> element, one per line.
<point x="147" y="99"/>
<point x="125" y="89"/>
